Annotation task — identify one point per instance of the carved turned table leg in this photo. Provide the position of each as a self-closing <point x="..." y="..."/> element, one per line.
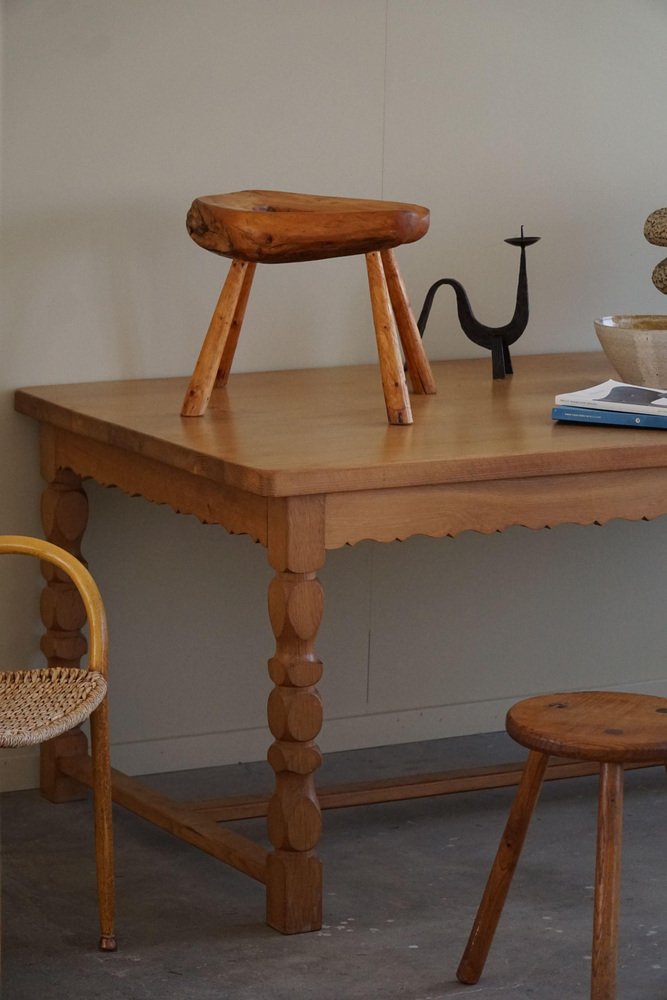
<point x="294" y="872"/>
<point x="64" y="518"/>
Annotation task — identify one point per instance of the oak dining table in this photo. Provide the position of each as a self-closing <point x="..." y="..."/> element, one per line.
<point x="303" y="462"/>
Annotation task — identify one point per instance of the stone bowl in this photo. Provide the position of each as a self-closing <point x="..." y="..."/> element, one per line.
<point x="637" y="348"/>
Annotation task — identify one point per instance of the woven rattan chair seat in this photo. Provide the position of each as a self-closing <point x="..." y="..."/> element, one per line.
<point x="36" y="705"/>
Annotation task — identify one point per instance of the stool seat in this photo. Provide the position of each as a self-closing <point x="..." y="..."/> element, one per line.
<point x="605" y="726"/>
<point x="280" y="227"/>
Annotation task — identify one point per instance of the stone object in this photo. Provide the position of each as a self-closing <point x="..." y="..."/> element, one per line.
<point x="655" y="231"/>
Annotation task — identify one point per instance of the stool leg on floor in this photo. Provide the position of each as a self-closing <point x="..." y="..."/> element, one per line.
<point x="607" y="882"/>
<point x="419" y="369"/>
<point x="224" y="329"/>
<point x="99" y="738"/>
<point x="394" y="386"/>
<point x="507" y="856"/>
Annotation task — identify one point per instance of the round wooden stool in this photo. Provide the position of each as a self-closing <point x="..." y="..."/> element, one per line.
<point x="277" y="227"/>
<point x="606" y="726"/>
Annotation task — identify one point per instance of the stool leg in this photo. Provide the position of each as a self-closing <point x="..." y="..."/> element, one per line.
<point x="419" y="369"/>
<point x="224" y="327"/>
<point x="394" y="386"/>
<point x="607" y="882"/>
<point x="229" y="350"/>
<point x="483" y="929"/>
<point x="99" y="733"/>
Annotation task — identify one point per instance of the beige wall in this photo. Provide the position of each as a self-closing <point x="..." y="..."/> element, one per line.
<point x="495" y="113"/>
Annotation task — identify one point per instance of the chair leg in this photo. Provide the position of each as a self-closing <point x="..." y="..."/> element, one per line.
<point x="99" y="731"/>
<point x="607" y="883"/>
<point x="481" y="936"/>
<point x="394" y="386"/>
<point x="419" y="368"/>
<point x="224" y="327"/>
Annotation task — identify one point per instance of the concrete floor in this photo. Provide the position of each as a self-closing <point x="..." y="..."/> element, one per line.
<point x="402" y="882"/>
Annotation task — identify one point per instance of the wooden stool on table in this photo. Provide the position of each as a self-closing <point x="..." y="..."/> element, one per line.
<point x="277" y="227"/>
<point x="613" y="728"/>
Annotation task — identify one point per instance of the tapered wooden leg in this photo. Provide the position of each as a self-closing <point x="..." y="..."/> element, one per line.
<point x="99" y="733"/>
<point x="394" y="386"/>
<point x="221" y="338"/>
<point x="232" y="340"/>
<point x="64" y="518"/>
<point x="294" y="873"/>
<point x="419" y="368"/>
<point x="507" y="857"/>
<point x="607" y="882"/>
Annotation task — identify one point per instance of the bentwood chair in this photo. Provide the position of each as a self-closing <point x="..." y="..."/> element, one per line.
<point x="38" y="704"/>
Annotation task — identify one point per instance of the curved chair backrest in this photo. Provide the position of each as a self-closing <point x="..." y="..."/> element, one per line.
<point x="82" y="580"/>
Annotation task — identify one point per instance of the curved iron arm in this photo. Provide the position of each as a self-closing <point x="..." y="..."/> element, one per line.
<point x="497" y="339"/>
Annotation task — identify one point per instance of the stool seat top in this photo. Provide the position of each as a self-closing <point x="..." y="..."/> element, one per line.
<point x="278" y="227"/>
<point x="606" y="726"/>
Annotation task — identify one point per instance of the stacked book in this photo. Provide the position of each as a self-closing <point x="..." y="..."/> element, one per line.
<point x="614" y="403"/>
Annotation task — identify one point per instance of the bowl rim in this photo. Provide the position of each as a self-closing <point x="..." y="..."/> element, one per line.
<point x="620" y="321"/>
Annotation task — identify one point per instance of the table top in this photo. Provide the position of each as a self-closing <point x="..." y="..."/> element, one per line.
<point x="314" y="431"/>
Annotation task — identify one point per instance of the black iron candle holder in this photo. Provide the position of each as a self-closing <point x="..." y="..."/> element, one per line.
<point x="496" y="339"/>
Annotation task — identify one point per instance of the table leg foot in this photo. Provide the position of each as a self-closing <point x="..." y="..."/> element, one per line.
<point x="294" y="892"/>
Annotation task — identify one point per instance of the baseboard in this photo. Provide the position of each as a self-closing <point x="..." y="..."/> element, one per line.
<point x="350" y="733"/>
<point x="20" y="768"/>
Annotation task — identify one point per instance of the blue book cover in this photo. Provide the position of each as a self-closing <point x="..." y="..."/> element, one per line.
<point x="622" y="418"/>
